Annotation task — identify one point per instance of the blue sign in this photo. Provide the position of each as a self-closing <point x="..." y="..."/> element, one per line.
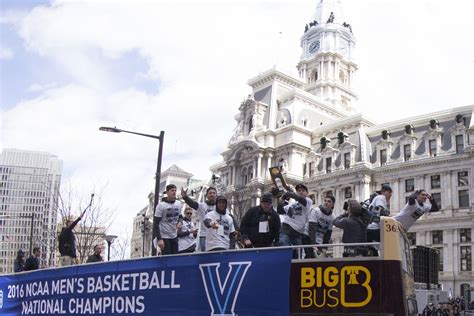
<point x="229" y="283"/>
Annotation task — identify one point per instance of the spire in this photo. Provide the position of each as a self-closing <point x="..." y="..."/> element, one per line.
<point x="329" y="11"/>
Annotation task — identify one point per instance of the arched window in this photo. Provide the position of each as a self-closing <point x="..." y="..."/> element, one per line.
<point x="244" y="176"/>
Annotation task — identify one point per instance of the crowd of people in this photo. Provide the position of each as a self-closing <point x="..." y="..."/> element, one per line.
<point x="453" y="307"/>
<point x="293" y="221"/>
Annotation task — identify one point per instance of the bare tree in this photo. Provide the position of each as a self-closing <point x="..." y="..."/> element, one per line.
<point x="95" y="221"/>
<point x="120" y="249"/>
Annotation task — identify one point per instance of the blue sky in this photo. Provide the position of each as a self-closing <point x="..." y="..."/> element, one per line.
<point x="71" y="66"/>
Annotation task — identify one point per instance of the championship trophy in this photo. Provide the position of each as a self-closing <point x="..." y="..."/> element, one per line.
<point x="280" y="184"/>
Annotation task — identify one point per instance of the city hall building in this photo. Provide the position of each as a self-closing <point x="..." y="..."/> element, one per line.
<point x="310" y="127"/>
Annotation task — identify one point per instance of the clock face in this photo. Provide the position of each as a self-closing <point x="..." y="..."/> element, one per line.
<point x="314" y="47"/>
<point x="344" y="47"/>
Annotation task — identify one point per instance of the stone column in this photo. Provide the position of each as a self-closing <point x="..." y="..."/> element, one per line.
<point x="337" y="195"/>
<point x="365" y="188"/>
<point x="232" y="174"/>
<point x="395" y="206"/>
<point x="269" y="164"/>
<point x="357" y="190"/>
<point x="259" y="165"/>
<point x="449" y="190"/>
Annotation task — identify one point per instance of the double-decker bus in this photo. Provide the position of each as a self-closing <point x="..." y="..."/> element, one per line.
<point x="259" y="281"/>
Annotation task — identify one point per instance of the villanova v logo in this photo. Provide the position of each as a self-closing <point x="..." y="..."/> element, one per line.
<point x="223" y="296"/>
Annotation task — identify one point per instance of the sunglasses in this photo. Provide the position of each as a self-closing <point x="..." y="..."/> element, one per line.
<point x="189" y="213"/>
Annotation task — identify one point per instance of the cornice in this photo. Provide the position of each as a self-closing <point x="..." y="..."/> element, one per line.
<point x="419" y="120"/>
<point x="356" y="170"/>
<point x="355" y="119"/>
<point x="333" y="56"/>
<point x="273" y="74"/>
<point x="422" y="162"/>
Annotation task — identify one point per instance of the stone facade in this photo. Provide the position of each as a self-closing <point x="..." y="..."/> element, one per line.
<point x="310" y="128"/>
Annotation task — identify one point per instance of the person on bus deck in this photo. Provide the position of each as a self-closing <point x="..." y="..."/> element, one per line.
<point x="321" y="220"/>
<point x="220" y="227"/>
<point x="419" y="203"/>
<point x="202" y="209"/>
<point x="19" y="263"/>
<point x="354" y="229"/>
<point x="379" y="206"/>
<point x="96" y="256"/>
<point x="167" y="213"/>
<point x="33" y="261"/>
<point x="187" y="233"/>
<point x="296" y="207"/>
<point x="260" y="226"/>
<point x="67" y="243"/>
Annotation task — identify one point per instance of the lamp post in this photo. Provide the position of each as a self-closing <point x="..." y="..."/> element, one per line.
<point x="110" y="239"/>
<point x="157" y="175"/>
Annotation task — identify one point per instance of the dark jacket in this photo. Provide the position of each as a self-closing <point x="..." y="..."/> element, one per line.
<point x="94" y="258"/>
<point x="32" y="263"/>
<point x="19" y="265"/>
<point x="355" y="230"/>
<point x="250" y="225"/>
<point x="67" y="240"/>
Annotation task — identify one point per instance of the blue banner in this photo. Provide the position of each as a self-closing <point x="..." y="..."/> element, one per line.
<point x="229" y="283"/>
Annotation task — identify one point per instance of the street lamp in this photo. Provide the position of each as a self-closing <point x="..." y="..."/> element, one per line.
<point x="157" y="175"/>
<point x="110" y="239"/>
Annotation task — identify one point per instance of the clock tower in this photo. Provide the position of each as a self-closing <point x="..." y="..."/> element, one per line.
<point x="326" y="63"/>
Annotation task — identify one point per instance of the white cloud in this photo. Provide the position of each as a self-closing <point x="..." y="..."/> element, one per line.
<point x="5" y="53"/>
<point x="414" y="57"/>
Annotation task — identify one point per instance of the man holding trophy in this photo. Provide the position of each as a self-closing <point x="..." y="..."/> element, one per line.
<point x="296" y="208"/>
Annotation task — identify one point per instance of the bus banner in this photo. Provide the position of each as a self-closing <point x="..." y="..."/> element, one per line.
<point x="253" y="282"/>
<point x="345" y="287"/>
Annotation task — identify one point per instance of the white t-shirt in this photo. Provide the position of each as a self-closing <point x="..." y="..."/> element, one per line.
<point x="377" y="202"/>
<point x="219" y="238"/>
<point x="169" y="213"/>
<point x="324" y="223"/>
<point x="410" y="213"/>
<point x="203" y="209"/>
<point x="186" y="241"/>
<point x="297" y="214"/>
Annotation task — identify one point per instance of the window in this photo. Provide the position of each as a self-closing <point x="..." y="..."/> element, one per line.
<point x="311" y="169"/>
<point x="409" y="185"/>
<point x="440" y="250"/>
<point x="433" y="147"/>
<point x="463" y="198"/>
<point x="412" y="238"/>
<point x="459" y="144"/>
<point x="463" y="178"/>
<point x="328" y="164"/>
<point x="407" y="152"/>
<point x="347" y="160"/>
<point x="437" y="237"/>
<point x="435" y="182"/>
<point x="383" y="157"/>
<point x="437" y="198"/>
<point x="465" y="235"/>
<point x="348" y="193"/>
<point x="466" y="258"/>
